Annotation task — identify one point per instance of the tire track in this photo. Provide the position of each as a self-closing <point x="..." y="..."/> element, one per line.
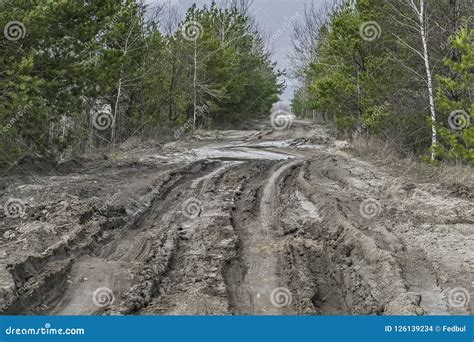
<point x="123" y="264"/>
<point x="259" y="289"/>
<point x="272" y="230"/>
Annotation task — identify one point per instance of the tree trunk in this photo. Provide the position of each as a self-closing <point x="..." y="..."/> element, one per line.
<point x="91" y="125"/>
<point x="434" y="137"/>
<point x="116" y="108"/>
<point x="195" y="86"/>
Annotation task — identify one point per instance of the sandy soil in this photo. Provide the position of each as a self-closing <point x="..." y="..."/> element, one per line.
<point x="256" y="222"/>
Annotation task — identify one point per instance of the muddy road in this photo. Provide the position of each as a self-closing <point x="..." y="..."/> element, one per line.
<point x="257" y="222"/>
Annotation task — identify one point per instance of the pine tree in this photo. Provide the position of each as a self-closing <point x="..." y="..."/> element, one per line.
<point x="455" y="100"/>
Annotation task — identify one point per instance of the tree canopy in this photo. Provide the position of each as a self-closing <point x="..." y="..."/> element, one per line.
<point x="78" y="74"/>
<point x="398" y="70"/>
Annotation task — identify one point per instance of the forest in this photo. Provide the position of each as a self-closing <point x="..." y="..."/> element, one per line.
<point x="80" y="74"/>
<point x="397" y="71"/>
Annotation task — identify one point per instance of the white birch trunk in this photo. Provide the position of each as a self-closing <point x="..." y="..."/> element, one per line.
<point x="195" y="87"/>
<point x="429" y="79"/>
<point x="117" y="103"/>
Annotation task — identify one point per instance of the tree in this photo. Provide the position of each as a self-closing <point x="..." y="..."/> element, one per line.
<point x="370" y="67"/>
<point x="455" y="99"/>
<point x="76" y="60"/>
<point x="420" y="25"/>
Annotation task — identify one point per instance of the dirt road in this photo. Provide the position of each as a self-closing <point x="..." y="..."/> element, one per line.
<point x="257" y="222"/>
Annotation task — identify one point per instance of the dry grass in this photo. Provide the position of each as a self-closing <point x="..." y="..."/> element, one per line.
<point x="382" y="154"/>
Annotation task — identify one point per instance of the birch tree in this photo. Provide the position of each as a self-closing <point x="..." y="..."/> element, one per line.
<point x="417" y="21"/>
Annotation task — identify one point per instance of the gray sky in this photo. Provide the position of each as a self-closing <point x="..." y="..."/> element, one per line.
<point x="274" y="17"/>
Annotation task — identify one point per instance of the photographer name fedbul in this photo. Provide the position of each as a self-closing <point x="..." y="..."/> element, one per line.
<point x="454" y="328"/>
<point x="426" y="328"/>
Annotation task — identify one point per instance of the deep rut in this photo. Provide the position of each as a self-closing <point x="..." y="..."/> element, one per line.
<point x="127" y="257"/>
<point x="250" y="229"/>
<point x="261" y="245"/>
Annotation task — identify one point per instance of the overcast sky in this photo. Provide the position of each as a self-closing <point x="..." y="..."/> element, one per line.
<point x="274" y="17"/>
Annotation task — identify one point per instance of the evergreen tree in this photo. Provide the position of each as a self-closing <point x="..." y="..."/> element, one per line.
<point x="455" y="100"/>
